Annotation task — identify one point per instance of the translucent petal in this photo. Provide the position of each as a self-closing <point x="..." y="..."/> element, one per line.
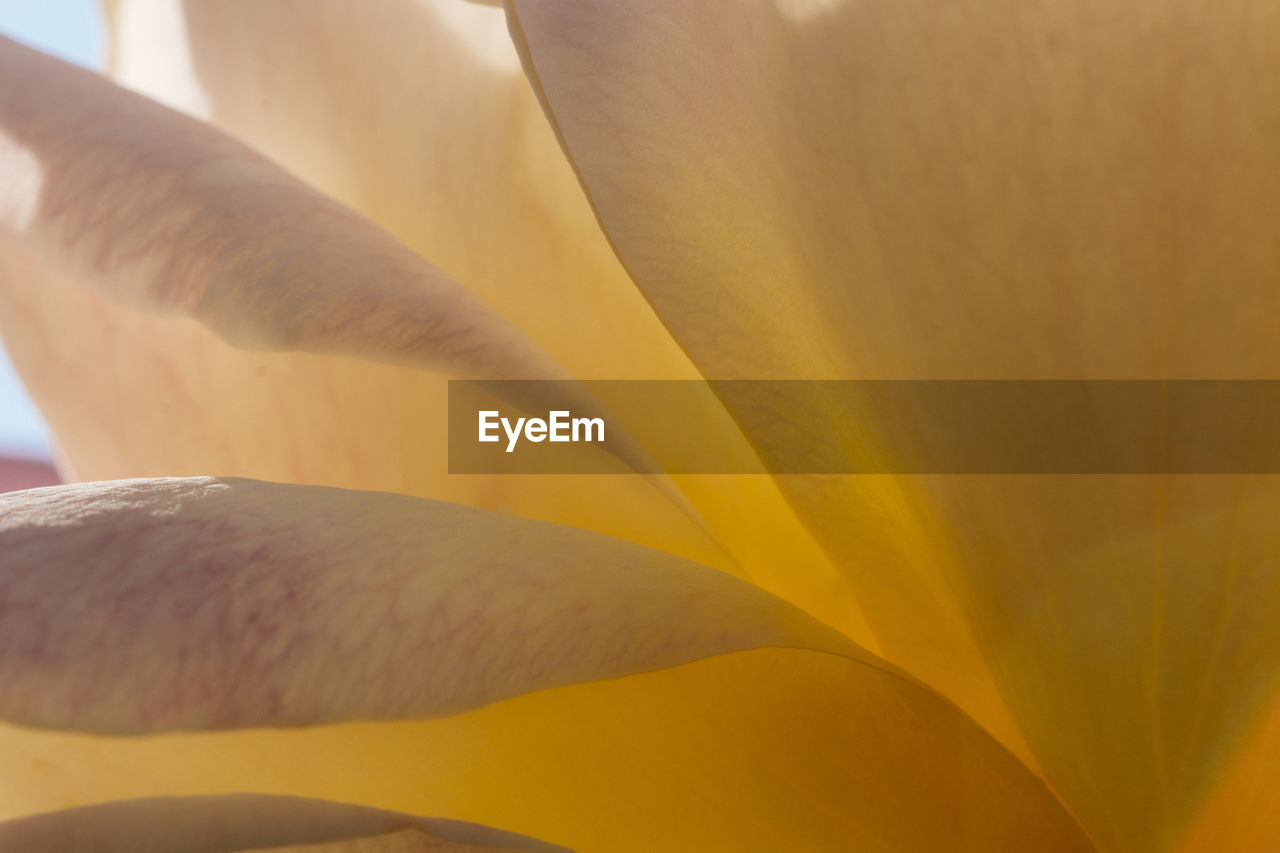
<point x="757" y="751"/>
<point x="143" y="606"/>
<point x="873" y="189"/>
<point x="471" y="179"/>
<point x="245" y="822"/>
<point x="149" y="605"/>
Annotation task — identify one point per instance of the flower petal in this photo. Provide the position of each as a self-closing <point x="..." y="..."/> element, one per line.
<point x="242" y="823"/>
<point x="202" y="603"/>
<point x="886" y="189"/>
<point x="1242" y="812"/>
<point x="159" y="210"/>
<point x="685" y="141"/>
<point x="468" y="175"/>
<point x="416" y="114"/>
<point x="148" y="605"/>
<point x="759" y="751"/>
<point x="402" y="841"/>
<point x="132" y="395"/>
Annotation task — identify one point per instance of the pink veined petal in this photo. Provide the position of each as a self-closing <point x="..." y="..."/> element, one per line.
<point x="145" y="606"/>
<point x="401" y="841"/>
<point x="245" y="822"/>
<point x="170" y="214"/>
<point x="160" y="211"/>
<point x="416" y="113"/>
<point x="149" y="605"/>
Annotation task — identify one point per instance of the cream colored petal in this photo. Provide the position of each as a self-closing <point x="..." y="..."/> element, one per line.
<point x="148" y="605"/>
<point x="164" y="212"/>
<point x="417" y="115"/>
<point x="402" y="841"/>
<point x="133" y="395"/>
<point x="1013" y="190"/>
<point x="247" y="822"/>
<point x="761" y="751"/>
<point x="151" y="605"/>
<point x="160" y="212"/>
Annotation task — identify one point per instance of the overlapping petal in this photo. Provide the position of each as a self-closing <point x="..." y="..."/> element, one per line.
<point x="230" y="824"/>
<point x="1011" y="190"/>
<point x="113" y="195"/>
<point x="417" y="115"/>
<point x="162" y="211"/>
<point x="152" y="605"/>
<point x="149" y="605"/>
<point x="937" y="211"/>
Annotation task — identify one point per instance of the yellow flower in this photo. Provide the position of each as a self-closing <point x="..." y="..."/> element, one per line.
<point x="778" y="188"/>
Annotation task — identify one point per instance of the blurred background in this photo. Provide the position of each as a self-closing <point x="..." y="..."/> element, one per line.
<point x="72" y="30"/>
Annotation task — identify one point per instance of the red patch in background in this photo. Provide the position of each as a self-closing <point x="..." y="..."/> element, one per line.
<point x="18" y="474"/>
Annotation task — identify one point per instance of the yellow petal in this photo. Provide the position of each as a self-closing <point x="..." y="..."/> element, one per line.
<point x="469" y="176"/>
<point x="156" y="210"/>
<point x="758" y="751"/>
<point x="416" y="114"/>
<point x="1012" y="190"/>
<point x="248" y="822"/>
<point x="1242" y="812"/>
<point x="150" y="605"/>
<point x="132" y="395"/>
<point x="732" y="285"/>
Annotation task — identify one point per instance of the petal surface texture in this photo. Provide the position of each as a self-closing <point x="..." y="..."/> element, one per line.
<point x="150" y="605"/>
<point x="311" y="600"/>
<point x="415" y="116"/>
<point x="1010" y="190"/>
<point x="116" y="209"/>
<point x="246" y="822"/>
<point x="158" y="209"/>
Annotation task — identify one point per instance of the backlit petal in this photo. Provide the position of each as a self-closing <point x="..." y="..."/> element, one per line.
<point x="134" y="395"/>
<point x="159" y="210"/>
<point x="1242" y="812"/>
<point x="151" y="605"/>
<point x="160" y="213"/>
<point x="1042" y="190"/>
<point x="417" y="115"/>
<point x="247" y="822"/>
<point x="145" y="605"/>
